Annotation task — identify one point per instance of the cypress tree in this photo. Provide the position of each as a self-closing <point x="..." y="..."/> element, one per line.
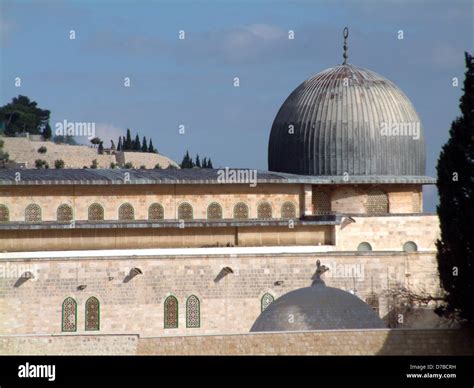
<point x="209" y="163"/>
<point x="198" y="161"/>
<point x="144" y="145"/>
<point x="136" y="143"/>
<point x="119" y="145"/>
<point x="150" y="147"/>
<point x="456" y="208"/>
<point x="128" y="141"/>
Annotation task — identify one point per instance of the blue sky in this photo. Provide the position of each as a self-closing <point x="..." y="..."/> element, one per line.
<point x="190" y="81"/>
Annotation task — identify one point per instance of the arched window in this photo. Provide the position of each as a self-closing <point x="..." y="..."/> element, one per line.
<point x="364" y="247"/>
<point x="288" y="210"/>
<point x="185" y="211"/>
<point x="33" y="213"/>
<point x="264" y="211"/>
<point x="126" y="212"/>
<point x="241" y="211"/>
<point x="193" y="312"/>
<point x="214" y="211"/>
<point x="4" y="214"/>
<point x="267" y="299"/>
<point x="377" y="202"/>
<point x="96" y="212"/>
<point x="156" y="212"/>
<point x="410" y="246"/>
<point x="171" y="312"/>
<point x="69" y="315"/>
<point x="321" y="202"/>
<point x="64" y="213"/>
<point x="92" y="314"/>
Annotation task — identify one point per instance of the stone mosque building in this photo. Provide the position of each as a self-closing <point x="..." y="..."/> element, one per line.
<point x="182" y="253"/>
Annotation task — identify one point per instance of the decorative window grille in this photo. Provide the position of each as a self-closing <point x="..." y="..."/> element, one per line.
<point x="96" y="212"/>
<point x="214" y="211"/>
<point x="288" y="210"/>
<point x="92" y="314"/>
<point x="377" y="202"/>
<point x="185" y="211"/>
<point x="69" y="315"/>
<point x="126" y="212"/>
<point x="64" y="213"/>
<point x="156" y="212"/>
<point x="32" y="213"/>
<point x="241" y="211"/>
<point x="193" y="311"/>
<point x="322" y="202"/>
<point x="171" y="312"/>
<point x="267" y="299"/>
<point x="264" y="211"/>
<point x="364" y="247"/>
<point x="410" y="246"/>
<point x="4" y="214"/>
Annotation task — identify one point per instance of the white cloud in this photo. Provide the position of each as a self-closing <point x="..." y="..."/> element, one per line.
<point x="107" y="132"/>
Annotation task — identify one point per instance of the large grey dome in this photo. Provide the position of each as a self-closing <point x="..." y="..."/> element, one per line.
<point x="337" y="117"/>
<point x="317" y="308"/>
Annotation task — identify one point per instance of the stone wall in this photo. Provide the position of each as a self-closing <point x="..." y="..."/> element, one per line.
<point x="229" y="304"/>
<point x="16" y="198"/>
<point x="23" y="150"/>
<point x="388" y="232"/>
<point x="341" y="342"/>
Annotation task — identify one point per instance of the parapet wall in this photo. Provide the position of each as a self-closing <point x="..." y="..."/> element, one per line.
<point x="341" y="342"/>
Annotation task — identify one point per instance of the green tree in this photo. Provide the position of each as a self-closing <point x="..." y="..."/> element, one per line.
<point x="94" y="164"/>
<point x="128" y="141"/>
<point x="23" y="115"/>
<point x="456" y="208"/>
<point x="198" y="161"/>
<point x="59" y="163"/>
<point x="47" y="133"/>
<point x="209" y="163"/>
<point x="144" y="145"/>
<point x="95" y="141"/>
<point x="4" y="157"/>
<point x="136" y="144"/>
<point x="119" y="145"/>
<point x="42" y="150"/>
<point x="100" y="150"/>
<point x="187" y="161"/>
<point x="39" y="163"/>
<point x="151" y="149"/>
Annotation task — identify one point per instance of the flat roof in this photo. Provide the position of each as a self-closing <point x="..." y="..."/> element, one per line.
<point x="18" y="177"/>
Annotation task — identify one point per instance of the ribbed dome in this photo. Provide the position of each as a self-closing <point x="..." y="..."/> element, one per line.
<point x="317" y="308"/>
<point x="338" y="116"/>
